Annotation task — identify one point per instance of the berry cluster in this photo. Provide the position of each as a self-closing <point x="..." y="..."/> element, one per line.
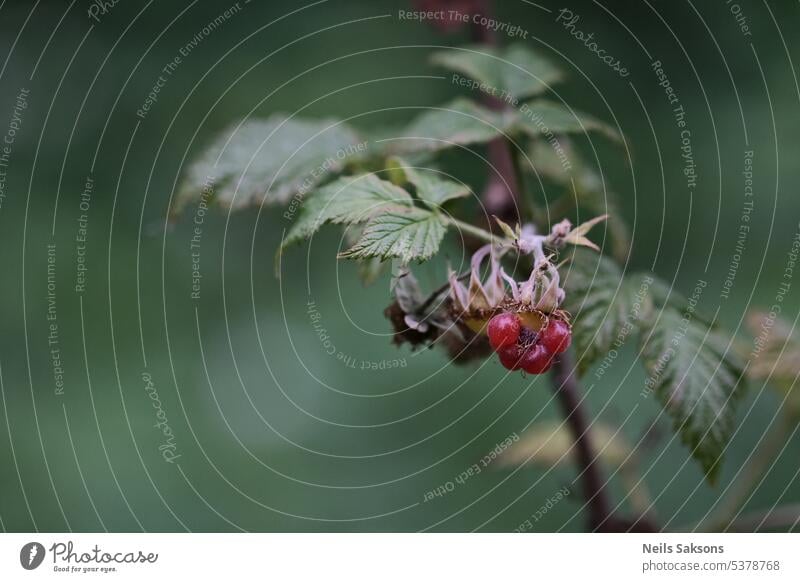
<point x="522" y="348"/>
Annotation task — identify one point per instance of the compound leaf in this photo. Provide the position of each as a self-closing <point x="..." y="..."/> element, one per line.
<point x="696" y="374"/>
<point x="347" y="200"/>
<point x="431" y="187"/>
<point x="516" y="71"/>
<point x="607" y="306"/>
<point x="269" y="161"/>
<point x="460" y="122"/>
<point x="545" y="119"/>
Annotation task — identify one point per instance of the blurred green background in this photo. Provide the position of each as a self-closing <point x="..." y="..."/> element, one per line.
<point x="273" y="434"/>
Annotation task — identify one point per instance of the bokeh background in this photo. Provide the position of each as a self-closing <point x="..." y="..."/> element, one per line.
<point x="274" y="434"/>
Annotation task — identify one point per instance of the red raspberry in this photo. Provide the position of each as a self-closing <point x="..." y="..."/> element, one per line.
<point x="537" y="360"/>
<point x="511" y="357"/>
<point x="503" y="330"/>
<point x="557" y="336"/>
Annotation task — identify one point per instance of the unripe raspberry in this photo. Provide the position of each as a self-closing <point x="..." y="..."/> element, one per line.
<point x="503" y="330"/>
<point x="557" y="336"/>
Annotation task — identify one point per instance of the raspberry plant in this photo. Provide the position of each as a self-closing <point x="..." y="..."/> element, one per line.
<point x="545" y="287"/>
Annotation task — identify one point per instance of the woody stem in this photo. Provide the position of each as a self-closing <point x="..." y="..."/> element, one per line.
<point x="565" y="383"/>
<point x="592" y="482"/>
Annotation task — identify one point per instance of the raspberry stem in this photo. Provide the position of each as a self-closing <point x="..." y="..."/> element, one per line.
<point x="566" y="388"/>
<point x="564" y="382"/>
<point x="475" y="231"/>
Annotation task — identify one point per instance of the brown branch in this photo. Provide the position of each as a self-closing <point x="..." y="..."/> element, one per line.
<point x="500" y="194"/>
<point x="593" y="482"/>
<point x="568" y="393"/>
<point x="500" y="198"/>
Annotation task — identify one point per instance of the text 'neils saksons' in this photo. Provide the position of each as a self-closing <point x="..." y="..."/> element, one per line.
<point x="664" y="548"/>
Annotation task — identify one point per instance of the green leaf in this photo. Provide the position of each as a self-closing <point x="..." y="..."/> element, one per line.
<point x="665" y="295"/>
<point x="460" y="122"/>
<point x="431" y="187"/>
<point x="578" y="234"/>
<point x="558" y="165"/>
<point x="691" y="366"/>
<point x="517" y="70"/>
<point x="511" y="234"/>
<point x="698" y="378"/>
<point x="348" y="200"/>
<point x="405" y="233"/>
<point x="371" y="269"/>
<point x="544" y="118"/>
<point x="463" y="122"/>
<point x="434" y="190"/>
<point x="607" y="307"/>
<point x="269" y="161"/>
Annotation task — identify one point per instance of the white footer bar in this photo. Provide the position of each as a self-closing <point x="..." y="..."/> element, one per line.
<point x="401" y="557"/>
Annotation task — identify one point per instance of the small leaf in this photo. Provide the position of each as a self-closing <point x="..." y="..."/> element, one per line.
<point x="431" y="187"/>
<point x="578" y="235"/>
<point x="541" y="118"/>
<point x="435" y="191"/>
<point x="607" y="307"/>
<point x="395" y="171"/>
<point x="460" y="122"/>
<point x="269" y="161"/>
<point x="404" y="233"/>
<point x="698" y="378"/>
<point x="555" y="164"/>
<point x="517" y="70"/>
<point x="510" y="233"/>
<point x="348" y="200"/>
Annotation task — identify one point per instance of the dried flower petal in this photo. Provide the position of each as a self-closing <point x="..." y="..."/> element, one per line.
<point x="481" y="295"/>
